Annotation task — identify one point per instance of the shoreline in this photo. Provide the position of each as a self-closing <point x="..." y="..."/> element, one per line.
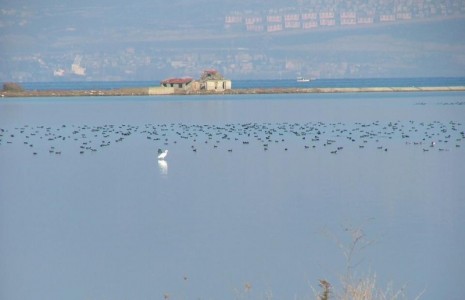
<point x="250" y="91"/>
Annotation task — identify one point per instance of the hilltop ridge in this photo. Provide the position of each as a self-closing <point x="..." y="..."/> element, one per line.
<point x="116" y="40"/>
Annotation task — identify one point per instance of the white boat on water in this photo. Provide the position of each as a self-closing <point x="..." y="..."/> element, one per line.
<point x="303" y="79"/>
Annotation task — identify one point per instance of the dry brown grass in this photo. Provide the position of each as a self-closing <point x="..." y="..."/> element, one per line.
<point x="352" y="287"/>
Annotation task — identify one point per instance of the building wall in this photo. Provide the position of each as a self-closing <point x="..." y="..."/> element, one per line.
<point x="217" y="85"/>
<point x="160" y="90"/>
<point x="182" y="86"/>
<point x="195" y="86"/>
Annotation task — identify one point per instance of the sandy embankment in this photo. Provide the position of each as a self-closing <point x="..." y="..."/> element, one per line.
<point x="145" y="91"/>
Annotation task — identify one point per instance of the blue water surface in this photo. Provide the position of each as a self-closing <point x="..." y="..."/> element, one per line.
<point x="258" y="197"/>
<point x="278" y="83"/>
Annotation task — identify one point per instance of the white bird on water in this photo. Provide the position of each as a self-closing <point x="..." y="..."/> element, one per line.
<point x="162" y="154"/>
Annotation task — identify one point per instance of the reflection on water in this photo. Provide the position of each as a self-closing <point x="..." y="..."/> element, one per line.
<point x="163" y="166"/>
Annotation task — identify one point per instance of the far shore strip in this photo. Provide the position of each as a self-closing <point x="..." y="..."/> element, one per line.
<point x="145" y="91"/>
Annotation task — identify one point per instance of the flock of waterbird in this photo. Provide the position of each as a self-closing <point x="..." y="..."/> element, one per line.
<point x="332" y="137"/>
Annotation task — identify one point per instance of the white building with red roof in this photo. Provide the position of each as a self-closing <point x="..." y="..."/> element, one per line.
<point x="179" y="83"/>
<point x="211" y="80"/>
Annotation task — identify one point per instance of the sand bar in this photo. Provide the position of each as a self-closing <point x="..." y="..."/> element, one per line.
<point x="145" y="91"/>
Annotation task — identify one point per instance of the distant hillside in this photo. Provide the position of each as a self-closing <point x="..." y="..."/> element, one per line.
<point x="50" y="40"/>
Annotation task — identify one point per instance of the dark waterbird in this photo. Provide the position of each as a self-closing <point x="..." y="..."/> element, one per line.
<point x="366" y="135"/>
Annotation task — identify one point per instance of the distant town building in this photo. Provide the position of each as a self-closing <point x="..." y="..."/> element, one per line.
<point x="327" y="15"/>
<point x="291" y="17"/>
<point x="327" y="22"/>
<point x="255" y="27"/>
<point x="339" y="13"/>
<point x="387" y="18"/>
<point x="233" y="19"/>
<point x="59" y="72"/>
<point x="348" y="15"/>
<point x="76" y="67"/>
<point x="348" y="21"/>
<point x="365" y="20"/>
<point x="274" y="28"/>
<point x="310" y="24"/>
<point x="292" y="24"/>
<point x="309" y="16"/>
<point x="253" y="20"/>
<point x="348" y="18"/>
<point x="274" y="19"/>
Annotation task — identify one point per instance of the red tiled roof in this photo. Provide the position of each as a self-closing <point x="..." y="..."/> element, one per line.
<point x="177" y="80"/>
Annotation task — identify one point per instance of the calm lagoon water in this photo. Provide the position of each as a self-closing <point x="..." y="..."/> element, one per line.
<point x="114" y="223"/>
